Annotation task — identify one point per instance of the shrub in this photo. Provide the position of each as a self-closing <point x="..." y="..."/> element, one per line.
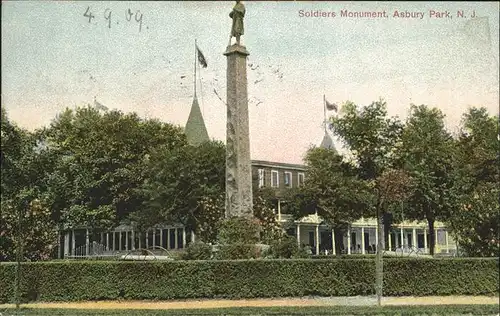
<point x="238" y="251"/>
<point x="197" y="250"/>
<point x="286" y="248"/>
<point x="239" y="230"/>
<point x="101" y="280"/>
<point x="238" y="238"/>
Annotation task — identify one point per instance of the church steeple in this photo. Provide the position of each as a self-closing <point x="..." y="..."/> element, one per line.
<point x="327" y="142"/>
<point x="196" y="131"/>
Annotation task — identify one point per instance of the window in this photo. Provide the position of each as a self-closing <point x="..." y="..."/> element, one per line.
<point x="274" y="178"/>
<point x="301" y="179"/>
<point x="261" y="178"/>
<point x="288" y="179"/>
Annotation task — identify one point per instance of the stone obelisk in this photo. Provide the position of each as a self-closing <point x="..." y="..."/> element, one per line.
<point x="238" y="166"/>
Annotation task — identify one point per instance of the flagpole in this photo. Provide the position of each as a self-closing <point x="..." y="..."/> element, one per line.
<point x="324" y="111"/>
<point x="195" y="57"/>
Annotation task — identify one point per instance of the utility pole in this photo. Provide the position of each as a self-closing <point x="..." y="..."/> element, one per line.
<point x="19" y="253"/>
<point x="379" y="265"/>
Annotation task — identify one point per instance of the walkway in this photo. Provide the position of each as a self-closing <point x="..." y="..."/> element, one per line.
<point x="309" y="301"/>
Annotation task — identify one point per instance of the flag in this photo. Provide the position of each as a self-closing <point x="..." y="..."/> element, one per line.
<point x="99" y="106"/>
<point x="201" y="58"/>
<point x="478" y="29"/>
<point x="331" y="106"/>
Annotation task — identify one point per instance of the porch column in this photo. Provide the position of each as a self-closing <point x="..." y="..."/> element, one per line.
<point x="192" y="236"/>
<point x="133" y="239"/>
<point x="120" y="241"/>
<point x="154" y="237"/>
<point x="66" y="243"/>
<point x="147" y="239"/>
<point x="168" y="238"/>
<point x="436" y="241"/>
<point x="402" y="235"/>
<point x="73" y="242"/>
<point x="107" y="242"/>
<point x="176" y="239"/>
<point x="279" y="210"/>
<point x="87" y="242"/>
<point x="114" y="240"/>
<point x="414" y="237"/>
<point x="140" y="240"/>
<point x="447" y="242"/>
<point x="362" y="240"/>
<point x="333" y="242"/>
<point x="376" y="237"/>
<point x="184" y="237"/>
<point x="349" y="239"/>
<point x="102" y="239"/>
<point x="317" y="239"/>
<point x="60" y="249"/>
<point x="298" y="235"/>
<point x="425" y="240"/>
<point x="126" y="240"/>
<point x="390" y="241"/>
<point x="161" y="237"/>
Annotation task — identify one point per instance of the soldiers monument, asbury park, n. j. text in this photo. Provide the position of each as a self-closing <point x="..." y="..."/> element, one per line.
<point x="238" y="169"/>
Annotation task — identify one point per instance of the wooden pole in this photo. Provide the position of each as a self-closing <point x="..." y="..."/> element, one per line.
<point x="18" y="263"/>
<point x="379" y="265"/>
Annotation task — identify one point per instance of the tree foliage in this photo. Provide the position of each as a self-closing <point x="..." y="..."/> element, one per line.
<point x="331" y="189"/>
<point x="427" y="154"/>
<point x="98" y="163"/>
<point x="185" y="185"/>
<point x="474" y="218"/>
<point x="370" y="136"/>
<point x="25" y="221"/>
<point x="265" y="211"/>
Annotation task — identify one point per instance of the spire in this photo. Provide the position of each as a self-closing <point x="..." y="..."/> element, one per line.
<point x="327" y="142"/>
<point x="195" y="130"/>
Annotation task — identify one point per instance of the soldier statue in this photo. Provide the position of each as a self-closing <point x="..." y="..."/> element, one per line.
<point x="237" y="15"/>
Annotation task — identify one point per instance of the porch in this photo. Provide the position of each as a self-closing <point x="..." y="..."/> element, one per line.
<point x="82" y="242"/>
<point x="361" y="237"/>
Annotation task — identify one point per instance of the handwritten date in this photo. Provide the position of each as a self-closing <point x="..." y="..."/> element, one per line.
<point x="109" y="17"/>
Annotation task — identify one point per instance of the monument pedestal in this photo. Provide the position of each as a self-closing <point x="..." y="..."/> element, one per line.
<point x="238" y="165"/>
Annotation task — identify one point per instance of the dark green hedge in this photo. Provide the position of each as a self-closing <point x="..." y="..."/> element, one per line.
<point x="79" y="280"/>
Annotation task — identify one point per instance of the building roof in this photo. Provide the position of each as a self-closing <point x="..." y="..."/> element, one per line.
<point x="196" y="131"/>
<point x="272" y="164"/>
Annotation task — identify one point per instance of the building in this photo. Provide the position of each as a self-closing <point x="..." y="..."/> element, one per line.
<point x="359" y="237"/>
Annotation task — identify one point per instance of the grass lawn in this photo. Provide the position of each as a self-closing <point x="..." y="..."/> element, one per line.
<point x="329" y="310"/>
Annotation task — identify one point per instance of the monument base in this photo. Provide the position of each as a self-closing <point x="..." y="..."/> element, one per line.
<point x="236" y="48"/>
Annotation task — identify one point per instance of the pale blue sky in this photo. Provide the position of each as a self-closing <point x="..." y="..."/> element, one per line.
<point x="53" y="58"/>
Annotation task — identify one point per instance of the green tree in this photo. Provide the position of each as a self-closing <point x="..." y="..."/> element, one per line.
<point x="185" y="185"/>
<point x="25" y="221"/>
<point x="98" y="163"/>
<point x="372" y="139"/>
<point x="427" y="154"/>
<point x="265" y="204"/>
<point x="474" y="218"/>
<point x="331" y="189"/>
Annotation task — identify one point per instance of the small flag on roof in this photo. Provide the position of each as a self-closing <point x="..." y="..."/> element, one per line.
<point x="201" y="58"/>
<point x="331" y="106"/>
